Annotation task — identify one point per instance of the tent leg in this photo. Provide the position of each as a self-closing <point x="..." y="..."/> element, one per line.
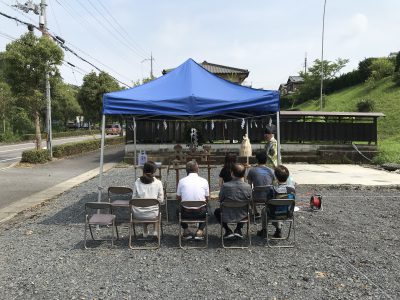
<point x="278" y="136"/>
<point x="103" y="129"/>
<point x="247" y="133"/>
<point x="134" y="149"/>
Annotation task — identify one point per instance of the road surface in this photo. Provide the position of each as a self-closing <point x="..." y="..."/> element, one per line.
<point x="20" y="182"/>
<point x="11" y="153"/>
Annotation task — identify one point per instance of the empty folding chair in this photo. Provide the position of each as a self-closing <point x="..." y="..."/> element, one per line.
<point x="236" y="205"/>
<point x="193" y="205"/>
<point x="119" y="196"/>
<point x="99" y="213"/>
<point x="280" y="210"/>
<point x="143" y="203"/>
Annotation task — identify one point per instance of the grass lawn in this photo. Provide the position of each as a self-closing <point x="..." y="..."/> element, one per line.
<point x="387" y="100"/>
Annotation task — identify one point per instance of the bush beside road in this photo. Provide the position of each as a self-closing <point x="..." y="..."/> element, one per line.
<point x="68" y="149"/>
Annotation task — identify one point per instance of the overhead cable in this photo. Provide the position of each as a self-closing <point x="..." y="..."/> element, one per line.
<point x="61" y="43"/>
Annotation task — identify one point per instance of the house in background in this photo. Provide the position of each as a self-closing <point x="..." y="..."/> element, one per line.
<point x="234" y="75"/>
<point x="292" y="85"/>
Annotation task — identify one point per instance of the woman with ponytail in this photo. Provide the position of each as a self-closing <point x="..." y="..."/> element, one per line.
<point x="147" y="186"/>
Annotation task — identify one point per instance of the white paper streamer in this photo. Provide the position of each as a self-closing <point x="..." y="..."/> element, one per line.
<point x="212" y="124"/>
<point x="226" y="125"/>
<point x="165" y="125"/>
<point x="255" y="124"/>
<point x="243" y="123"/>
<point x="206" y="126"/>
<point x="158" y="126"/>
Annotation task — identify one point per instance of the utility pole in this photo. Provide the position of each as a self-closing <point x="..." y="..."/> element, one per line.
<point x="41" y="11"/>
<point x="305" y="64"/>
<point x="322" y="57"/>
<point x="151" y="64"/>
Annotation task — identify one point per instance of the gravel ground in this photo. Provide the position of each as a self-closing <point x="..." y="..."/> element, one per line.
<point x="348" y="251"/>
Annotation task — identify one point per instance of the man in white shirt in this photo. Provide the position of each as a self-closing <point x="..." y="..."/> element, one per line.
<point x="193" y="188"/>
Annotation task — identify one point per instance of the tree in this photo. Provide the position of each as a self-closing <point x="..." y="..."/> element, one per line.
<point x="27" y="60"/>
<point x="6" y="101"/>
<point x="380" y="68"/>
<point x="65" y="102"/>
<point x="312" y="79"/>
<point x="397" y="62"/>
<point x="90" y="96"/>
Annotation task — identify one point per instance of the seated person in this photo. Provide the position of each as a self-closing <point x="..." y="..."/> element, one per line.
<point x="147" y="186"/>
<point x="260" y="175"/>
<point x="234" y="190"/>
<point x="279" y="191"/>
<point x="193" y="188"/>
<point x="225" y="174"/>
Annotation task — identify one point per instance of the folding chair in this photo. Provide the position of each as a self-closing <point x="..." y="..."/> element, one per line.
<point x="98" y="218"/>
<point x="143" y="202"/>
<point x="286" y="217"/>
<point x="259" y="198"/>
<point x="165" y="204"/>
<point x="192" y="204"/>
<point x="119" y="196"/>
<point x="246" y="220"/>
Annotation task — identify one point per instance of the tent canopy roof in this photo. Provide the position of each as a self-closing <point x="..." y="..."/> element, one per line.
<point x="191" y="91"/>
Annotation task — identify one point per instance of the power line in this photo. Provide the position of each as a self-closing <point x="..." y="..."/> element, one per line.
<point x="9" y="37"/>
<point x="73" y="13"/>
<point x="13" y="8"/>
<point x="61" y="42"/>
<point x="134" y="49"/>
<point x="122" y="41"/>
<point x="98" y="61"/>
<point x="123" y="29"/>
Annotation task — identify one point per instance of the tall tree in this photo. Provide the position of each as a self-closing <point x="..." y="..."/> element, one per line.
<point x="312" y="79"/>
<point x="90" y="96"/>
<point x="65" y="102"/>
<point x="380" y="68"/>
<point x="27" y="60"/>
<point x="6" y="101"/>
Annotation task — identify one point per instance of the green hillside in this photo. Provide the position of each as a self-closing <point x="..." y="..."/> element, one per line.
<point x="387" y="100"/>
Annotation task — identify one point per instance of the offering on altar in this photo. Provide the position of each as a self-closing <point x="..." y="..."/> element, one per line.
<point x="245" y="148"/>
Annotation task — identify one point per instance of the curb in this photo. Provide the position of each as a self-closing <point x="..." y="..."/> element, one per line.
<point x="19" y="206"/>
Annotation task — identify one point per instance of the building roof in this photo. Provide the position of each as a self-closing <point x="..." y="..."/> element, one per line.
<point x="220" y="69"/>
<point x="217" y="69"/>
<point x="295" y="79"/>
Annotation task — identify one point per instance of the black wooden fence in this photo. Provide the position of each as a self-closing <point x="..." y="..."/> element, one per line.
<point x="303" y="127"/>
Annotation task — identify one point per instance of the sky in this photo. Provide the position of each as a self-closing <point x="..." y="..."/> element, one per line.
<point x="269" y="38"/>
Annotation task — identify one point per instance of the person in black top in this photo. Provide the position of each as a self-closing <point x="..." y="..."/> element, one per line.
<point x="225" y="174"/>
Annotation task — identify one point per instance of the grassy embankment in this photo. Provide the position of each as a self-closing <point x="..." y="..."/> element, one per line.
<point x="387" y="100"/>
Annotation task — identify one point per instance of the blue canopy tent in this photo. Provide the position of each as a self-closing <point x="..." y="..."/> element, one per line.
<point x="189" y="92"/>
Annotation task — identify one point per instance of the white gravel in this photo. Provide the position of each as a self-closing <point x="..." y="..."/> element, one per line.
<point x="348" y="251"/>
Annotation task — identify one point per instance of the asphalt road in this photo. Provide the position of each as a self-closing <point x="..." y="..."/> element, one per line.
<point x="19" y="182"/>
<point x="11" y="153"/>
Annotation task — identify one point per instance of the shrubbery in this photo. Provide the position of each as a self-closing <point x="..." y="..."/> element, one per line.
<point x="69" y="149"/>
<point x="28" y="137"/>
<point x="365" y="105"/>
<point x="35" y="156"/>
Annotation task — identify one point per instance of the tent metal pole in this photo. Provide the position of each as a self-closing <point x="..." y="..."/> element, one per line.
<point x="103" y="131"/>
<point x="278" y="136"/>
<point x="247" y="133"/>
<point x="134" y="149"/>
